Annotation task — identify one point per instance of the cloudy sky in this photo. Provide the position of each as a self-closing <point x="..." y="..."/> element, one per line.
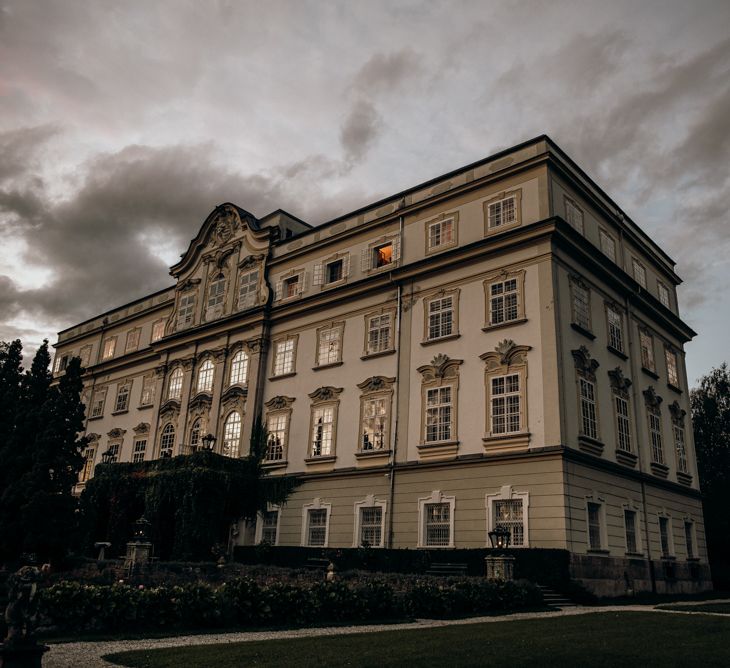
<point x="123" y="124"/>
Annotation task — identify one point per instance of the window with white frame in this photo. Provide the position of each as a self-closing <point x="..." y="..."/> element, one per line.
<point x="239" y="368"/>
<point x="122" y="402"/>
<point x="615" y="328"/>
<point x="574" y="215"/>
<point x="332" y="271"/>
<point x="379" y="333"/>
<point x="132" y="340"/>
<point x="205" y="376"/>
<point x="284" y="351"/>
<point x="439" y="414"/>
<point x="277" y="424"/>
<point x="509" y="514"/>
<point x="639" y="272"/>
<point x="504" y="301"/>
<point x="437" y="524"/>
<point x="654" y="420"/>
<point x="441" y="233"/>
<point x="148" y="391"/>
<point x="502" y="212"/>
<point x="317" y="527"/>
<point x="329" y="345"/>
<point x="581" y="304"/>
<point x="217" y="291"/>
<point x="174" y="384"/>
<point x="374" y="427"/>
<point x="88" y="469"/>
<point x="672" y="374"/>
<point x="689" y="540"/>
<point x="440" y="317"/>
<point x="623" y="422"/>
<point x="588" y="412"/>
<point x="631" y="531"/>
<point x="108" y="348"/>
<point x="680" y="446"/>
<point x="665" y="536"/>
<point x="186" y="311"/>
<point x="232" y="435"/>
<point x="663" y="292"/>
<point x="323" y="430"/>
<point x="158" y="330"/>
<point x="595" y="525"/>
<point x="505" y="404"/>
<point x="270" y="526"/>
<point x="196" y="432"/>
<point x="167" y="440"/>
<point x="608" y="245"/>
<point x="371" y="526"/>
<point x="248" y="289"/>
<point x="646" y="343"/>
<point x="97" y="403"/>
<point x="382" y="254"/>
<point x="138" y="452"/>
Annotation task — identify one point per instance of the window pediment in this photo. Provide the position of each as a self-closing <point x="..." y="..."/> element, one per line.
<point x="279" y="403"/>
<point x="619" y="382"/>
<point x="326" y="393"/>
<point x="142" y="428"/>
<point x="441" y="367"/>
<point x="506" y="353"/>
<point x="585" y="363"/>
<point x="376" y="384"/>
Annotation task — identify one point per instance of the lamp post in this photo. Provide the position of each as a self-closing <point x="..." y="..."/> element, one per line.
<point x="208" y="442"/>
<point x="107" y="457"/>
<point x="499" y="565"/>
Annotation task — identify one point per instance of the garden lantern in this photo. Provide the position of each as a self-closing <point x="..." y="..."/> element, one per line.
<point x="500" y="538"/>
<point x="208" y="441"/>
<point x="107" y="457"/>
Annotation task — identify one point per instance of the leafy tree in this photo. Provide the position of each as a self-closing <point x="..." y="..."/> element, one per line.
<point x="711" y="420"/>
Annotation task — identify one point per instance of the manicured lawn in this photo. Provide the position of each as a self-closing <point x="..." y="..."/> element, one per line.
<point x="601" y="640"/>
<point x="721" y="608"/>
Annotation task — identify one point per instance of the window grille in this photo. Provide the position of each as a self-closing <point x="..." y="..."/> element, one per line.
<point x="167" y="440"/>
<point x="217" y="291"/>
<point x="330" y="342"/>
<point x="185" y="311"/>
<point x="681" y="449"/>
<point x="441" y="233"/>
<point x="574" y="215"/>
<point x="655" y="436"/>
<point x="248" y="290"/>
<point x="608" y="245"/>
<point x="316" y="527"/>
<point x="174" y="388"/>
<point x="205" y="376"/>
<point x="158" y="330"/>
<point x="639" y="272"/>
<point x="437" y="524"/>
<point x="196" y="433"/>
<point x="269" y="526"/>
<point x="647" y="350"/>
<point x="122" y="402"/>
<point x="581" y="306"/>
<point x="140" y="447"/>
<point x="615" y="329"/>
<point x="371" y="526"/>
<point x="148" y="391"/>
<point x="508" y="514"/>
<point x="672" y="374"/>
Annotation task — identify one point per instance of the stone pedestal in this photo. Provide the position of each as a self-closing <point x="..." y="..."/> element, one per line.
<point x="22" y="655"/>
<point x="138" y="552"/>
<point x="500" y="567"/>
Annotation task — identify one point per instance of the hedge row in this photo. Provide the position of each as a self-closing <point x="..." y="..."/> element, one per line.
<point x="71" y="606"/>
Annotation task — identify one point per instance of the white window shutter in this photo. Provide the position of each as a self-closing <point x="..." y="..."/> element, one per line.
<point x="396" y="249"/>
<point x="346" y="266"/>
<point x="365" y="260"/>
<point x="277" y="291"/>
<point x="317" y="274"/>
<point x="302" y="285"/>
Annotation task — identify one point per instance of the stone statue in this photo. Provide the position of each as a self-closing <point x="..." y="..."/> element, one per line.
<point x="21" y="615"/>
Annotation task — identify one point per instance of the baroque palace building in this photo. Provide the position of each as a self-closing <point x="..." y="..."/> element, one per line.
<point x="498" y="346"/>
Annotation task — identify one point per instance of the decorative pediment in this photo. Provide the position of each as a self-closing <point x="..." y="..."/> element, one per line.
<point x="188" y="284"/>
<point x="279" y="403"/>
<point x="91" y="437"/>
<point x="677" y="412"/>
<point x="257" y="345"/>
<point x="219" y="258"/>
<point x="578" y="280"/>
<point x="142" y="428"/>
<point x="376" y="384"/>
<point x="326" y="393"/>
<point x="442" y="366"/>
<point x="161" y="370"/>
<point x="618" y="380"/>
<point x="201" y="400"/>
<point x="506" y="353"/>
<point x="653" y="400"/>
<point x="170" y="408"/>
<point x="251" y="261"/>
<point x="116" y="433"/>
<point x="584" y="363"/>
<point x="234" y="392"/>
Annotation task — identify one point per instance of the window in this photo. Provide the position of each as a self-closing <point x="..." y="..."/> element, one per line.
<point x="655" y="434"/>
<point x="440" y="317"/>
<point x="441" y="232"/>
<point x="61" y="362"/>
<point x="502" y="212"/>
<point x="632" y="546"/>
<point x="671" y="359"/>
<point x="97" y="403"/>
<point x="505" y="404"/>
<point x="665" y="528"/>
<point x="437" y="524"/>
<point x="317" y="527"/>
<point x="623" y="423"/>
<point x="232" y="435"/>
<point x="379" y="333"/>
<point x="148" y="391"/>
<point x="504" y="298"/>
<point x="291" y="285"/>
<point x="248" y="289"/>
<point x="639" y="272"/>
<point x="113" y="451"/>
<point x="588" y="414"/>
<point x="438" y="414"/>
<point x="595" y="528"/>
<point x="284" y="351"/>
<point x="508" y="514"/>
<point x="239" y="368"/>
<point x="85" y="355"/>
<point x="138" y="452"/>
<point x="205" y="376"/>
<point x="581" y="302"/>
<point x="122" y="402"/>
<point x="270" y="526"/>
<point x="167" y="440"/>
<point x="217" y="291"/>
<point x="174" y="384"/>
<point x="277" y="424"/>
<point x="132" y="340"/>
<point x="680" y="447"/>
<point x="382" y="254"/>
<point x="647" y="350"/>
<point x="88" y="468"/>
<point x="574" y="215"/>
<point x="374" y="424"/>
<point x="663" y="292"/>
<point x="196" y="434"/>
<point x="329" y="345"/>
<point x="332" y="270"/>
<point x="608" y="245"/>
<point x="185" y="311"/>
<point x="109" y="348"/>
<point x="158" y="330"/>
<point x="323" y="419"/>
<point x="371" y="526"/>
<point x="689" y="539"/>
<point x="615" y="329"/>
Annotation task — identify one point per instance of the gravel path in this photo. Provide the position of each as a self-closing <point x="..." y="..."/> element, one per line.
<point x="88" y="654"/>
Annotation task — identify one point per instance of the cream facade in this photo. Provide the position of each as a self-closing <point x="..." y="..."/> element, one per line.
<point x="498" y="346"/>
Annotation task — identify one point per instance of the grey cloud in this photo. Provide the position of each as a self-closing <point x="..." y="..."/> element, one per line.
<point x="385" y="71"/>
<point x="359" y="130"/>
<point x="19" y="149"/>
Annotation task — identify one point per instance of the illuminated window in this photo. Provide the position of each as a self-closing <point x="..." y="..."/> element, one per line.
<point x="239" y="368"/>
<point x="158" y="330"/>
<point x="109" y="348"/>
<point x="379" y="328"/>
<point x="167" y="440"/>
<point x="232" y="435"/>
<point x="174" y="384"/>
<point x="382" y="255"/>
<point x="205" y="376"/>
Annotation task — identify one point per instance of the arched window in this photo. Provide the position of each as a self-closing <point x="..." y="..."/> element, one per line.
<point x="231" y="435"/>
<point x="205" y="377"/>
<point x="195" y="432"/>
<point x="167" y="440"/>
<point x="217" y="291"/>
<point x="174" y="384"/>
<point x="239" y="368"/>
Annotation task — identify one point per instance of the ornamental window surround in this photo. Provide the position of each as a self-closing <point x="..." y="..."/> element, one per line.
<point x="375" y="410"/>
<point x="509" y="510"/>
<point x="441" y="232"/>
<point x="167" y="440"/>
<point x="278" y="419"/>
<point x="315" y="523"/>
<point x="441" y="315"/>
<point x="621" y="409"/>
<point x="132" y="342"/>
<point x="267" y="526"/>
<point x="334" y="270"/>
<point x="329" y="344"/>
<point x="85" y="355"/>
<point x="239" y="368"/>
<point x="185" y="310"/>
<point x="285" y="355"/>
<point x="158" y="329"/>
<point x="290" y="285"/>
<point x="174" y="384"/>
<point x="98" y="398"/>
<point x="680" y="444"/>
<point x="436" y="520"/>
<point x="121" y="404"/>
<point x="108" y="348"/>
<point x="248" y="289"/>
<point x="503" y="211"/>
<point x="204" y="382"/>
<point x="369" y="522"/>
<point x="116" y="439"/>
<point x="504" y="295"/>
<point x="608" y="244"/>
<point x="232" y="435"/>
<point x="381" y="254"/>
<point x="439" y="401"/>
<point x="573" y="215"/>
<point x="379" y="332"/>
<point x="323" y="423"/>
<point x="585" y="371"/>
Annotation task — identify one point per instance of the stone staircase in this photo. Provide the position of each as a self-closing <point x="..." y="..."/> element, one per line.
<point x="555" y="600"/>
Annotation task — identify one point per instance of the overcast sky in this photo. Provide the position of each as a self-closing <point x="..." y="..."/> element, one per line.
<point x="123" y="124"/>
